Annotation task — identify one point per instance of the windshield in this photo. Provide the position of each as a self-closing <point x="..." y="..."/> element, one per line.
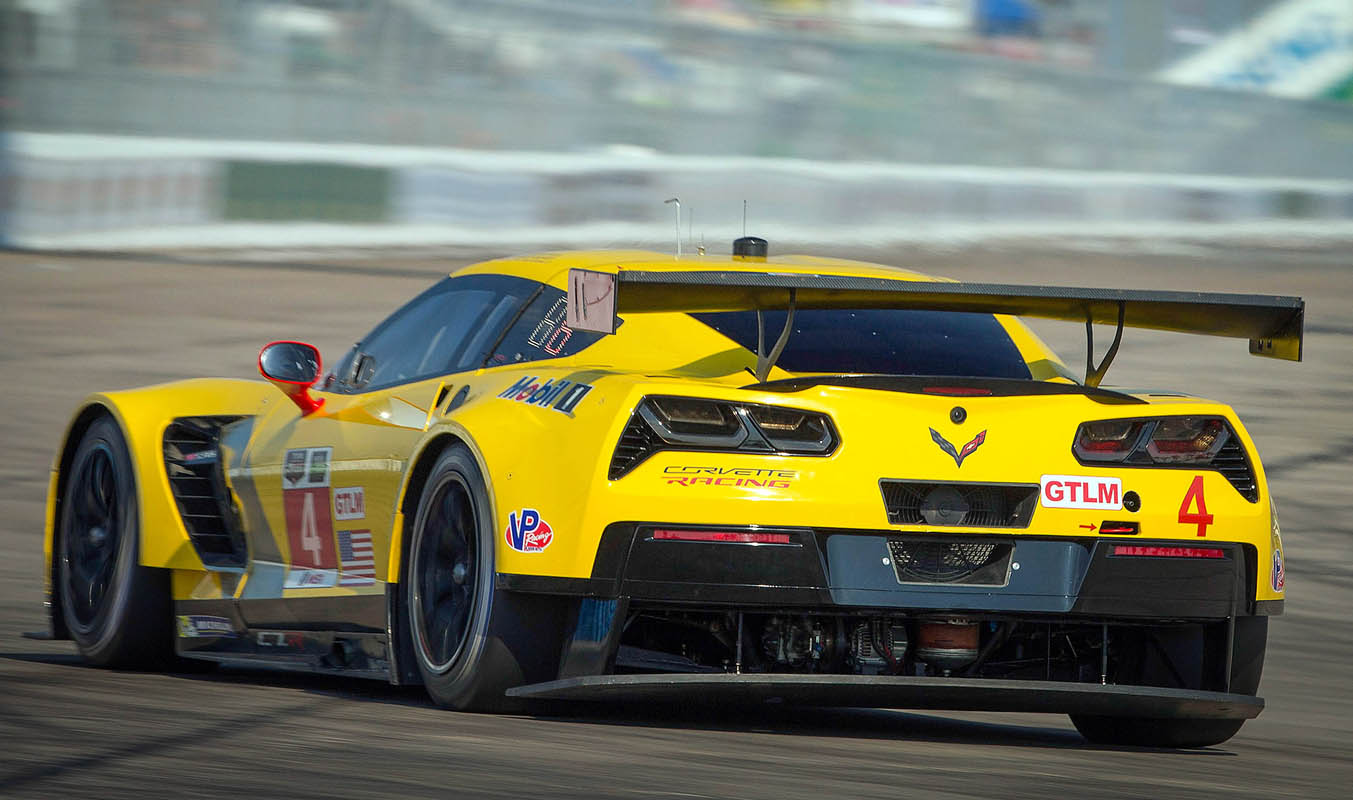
<point x="882" y="341"/>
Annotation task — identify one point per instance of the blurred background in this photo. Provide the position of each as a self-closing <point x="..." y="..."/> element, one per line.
<point x="253" y="123"/>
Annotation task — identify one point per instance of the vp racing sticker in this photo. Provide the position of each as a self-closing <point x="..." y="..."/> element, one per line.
<point x="561" y="395"/>
<point x="527" y="532"/>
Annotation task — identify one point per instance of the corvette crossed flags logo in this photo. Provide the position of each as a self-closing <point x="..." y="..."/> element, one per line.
<point x="958" y="455"/>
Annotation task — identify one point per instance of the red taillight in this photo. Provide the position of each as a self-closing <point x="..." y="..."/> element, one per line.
<point x="1185" y="438"/>
<point x="1110" y="440"/>
<point x="957" y="391"/>
<point x="1174" y="441"/>
<point x="1167" y="552"/>
<point x="732" y="537"/>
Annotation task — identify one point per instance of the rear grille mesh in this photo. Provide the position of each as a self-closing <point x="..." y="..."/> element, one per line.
<point x="192" y="463"/>
<point x="970" y="563"/>
<point x="979" y="505"/>
<point x="1232" y="463"/>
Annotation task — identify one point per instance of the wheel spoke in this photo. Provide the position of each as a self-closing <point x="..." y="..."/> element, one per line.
<point x="446" y="573"/>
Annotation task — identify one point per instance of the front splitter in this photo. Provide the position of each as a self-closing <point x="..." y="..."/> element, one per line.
<point x="878" y="691"/>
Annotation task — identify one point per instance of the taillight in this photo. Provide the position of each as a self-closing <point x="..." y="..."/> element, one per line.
<point x="1147" y="551"/>
<point x="1182" y="441"/>
<point x="702" y="424"/>
<point x="792" y="431"/>
<point x="1186" y="439"/>
<point x="1109" y="440"/>
<point x="725" y="537"/>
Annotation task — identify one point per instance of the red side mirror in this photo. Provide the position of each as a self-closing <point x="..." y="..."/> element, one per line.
<point x="292" y="367"/>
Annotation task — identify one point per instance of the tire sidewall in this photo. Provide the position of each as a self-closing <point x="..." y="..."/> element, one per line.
<point x="454" y="686"/>
<point x="101" y="638"/>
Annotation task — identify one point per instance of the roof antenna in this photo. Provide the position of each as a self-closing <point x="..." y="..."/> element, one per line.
<point x="677" y="201"/>
<point x="690" y="223"/>
<point x="744" y="217"/>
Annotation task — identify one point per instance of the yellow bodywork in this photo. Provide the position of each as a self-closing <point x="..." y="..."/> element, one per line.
<point x="535" y="457"/>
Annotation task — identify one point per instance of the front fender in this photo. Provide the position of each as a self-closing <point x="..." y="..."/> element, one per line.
<point x="143" y="414"/>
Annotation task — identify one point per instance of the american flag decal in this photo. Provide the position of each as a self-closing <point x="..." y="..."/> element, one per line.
<point x="357" y="558"/>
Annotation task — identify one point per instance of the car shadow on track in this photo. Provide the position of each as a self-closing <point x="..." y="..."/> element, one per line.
<point x="763" y="718"/>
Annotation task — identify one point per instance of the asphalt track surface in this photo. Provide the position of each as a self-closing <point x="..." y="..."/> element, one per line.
<point x="70" y="325"/>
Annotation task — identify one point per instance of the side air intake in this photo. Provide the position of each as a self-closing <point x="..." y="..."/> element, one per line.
<point x="192" y="462"/>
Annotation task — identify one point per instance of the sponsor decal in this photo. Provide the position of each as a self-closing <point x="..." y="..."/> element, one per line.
<point x="551" y="334"/>
<point x="958" y="455"/>
<point x="1276" y="575"/>
<point x="1193" y="499"/>
<point x="357" y="557"/>
<point x="319" y="466"/>
<point x="305" y="501"/>
<point x="350" y="503"/>
<point x="288" y="639"/>
<point x="1080" y="491"/>
<point x="561" y="395"/>
<point x="310" y="579"/>
<point x="749" y="477"/>
<point x="527" y="532"/>
<point x="196" y="626"/>
<point x="1279" y="577"/>
<point x="293" y="469"/>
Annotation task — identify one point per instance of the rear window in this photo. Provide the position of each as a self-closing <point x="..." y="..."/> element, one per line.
<point x="882" y="341"/>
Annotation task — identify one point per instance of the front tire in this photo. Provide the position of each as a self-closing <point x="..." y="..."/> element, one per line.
<point x="116" y="610"/>
<point x="471" y="643"/>
<point x="1247" y="665"/>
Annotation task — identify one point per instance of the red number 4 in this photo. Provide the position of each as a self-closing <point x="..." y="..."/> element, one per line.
<point x="1195" y="495"/>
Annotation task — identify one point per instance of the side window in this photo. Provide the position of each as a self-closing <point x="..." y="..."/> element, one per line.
<point x="435" y="333"/>
<point x="540" y="333"/>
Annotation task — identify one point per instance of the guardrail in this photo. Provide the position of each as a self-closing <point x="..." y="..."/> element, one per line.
<point x="92" y="191"/>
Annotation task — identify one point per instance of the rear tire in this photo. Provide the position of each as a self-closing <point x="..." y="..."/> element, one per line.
<point x="1247" y="666"/>
<point x="116" y="610"/>
<point x="471" y="643"/>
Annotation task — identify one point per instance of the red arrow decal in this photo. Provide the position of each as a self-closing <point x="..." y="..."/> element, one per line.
<point x="1089" y="527"/>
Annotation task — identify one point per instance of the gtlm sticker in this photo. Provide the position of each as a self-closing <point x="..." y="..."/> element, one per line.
<point x="1081" y="491"/>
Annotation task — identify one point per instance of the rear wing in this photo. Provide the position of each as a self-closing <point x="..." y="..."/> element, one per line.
<point x="1272" y="324"/>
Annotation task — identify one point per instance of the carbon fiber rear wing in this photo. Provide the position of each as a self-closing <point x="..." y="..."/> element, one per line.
<point x="1272" y="324"/>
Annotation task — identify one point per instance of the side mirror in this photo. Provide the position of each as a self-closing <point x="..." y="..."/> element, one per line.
<point x="293" y="367"/>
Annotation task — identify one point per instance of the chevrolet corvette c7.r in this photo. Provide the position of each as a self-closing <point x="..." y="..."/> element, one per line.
<point x="620" y="475"/>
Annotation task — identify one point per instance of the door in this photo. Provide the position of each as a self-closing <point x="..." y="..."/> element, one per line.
<point x="327" y="483"/>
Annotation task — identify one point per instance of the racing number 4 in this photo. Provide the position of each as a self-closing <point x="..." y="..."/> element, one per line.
<point x="1195" y="496"/>
<point x="310" y="540"/>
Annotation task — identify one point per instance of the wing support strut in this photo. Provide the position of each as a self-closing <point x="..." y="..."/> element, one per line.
<point x="1095" y="374"/>
<point x="764" y="361"/>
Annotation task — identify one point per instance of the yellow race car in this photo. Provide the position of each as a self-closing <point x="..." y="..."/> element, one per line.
<point x="623" y="475"/>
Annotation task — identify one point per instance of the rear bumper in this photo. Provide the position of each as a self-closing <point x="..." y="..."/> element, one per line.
<point x="871" y="691"/>
<point x="849" y="569"/>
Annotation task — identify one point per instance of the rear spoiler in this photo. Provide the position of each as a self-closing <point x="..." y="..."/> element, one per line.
<point x="1272" y="324"/>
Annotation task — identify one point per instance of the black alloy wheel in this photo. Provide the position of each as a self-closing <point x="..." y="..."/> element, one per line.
<point x="445" y="575"/>
<point x="116" y="610"/>
<point x="471" y="642"/>
<point x="93" y="537"/>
